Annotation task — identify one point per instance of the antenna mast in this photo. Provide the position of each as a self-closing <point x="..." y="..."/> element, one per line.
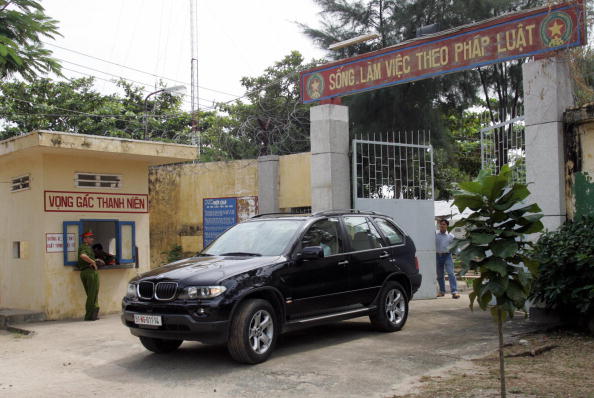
<point x="195" y="130"/>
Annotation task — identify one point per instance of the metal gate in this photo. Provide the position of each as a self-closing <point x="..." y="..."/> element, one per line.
<point x="393" y="175"/>
<point x="393" y="166"/>
<point x="504" y="143"/>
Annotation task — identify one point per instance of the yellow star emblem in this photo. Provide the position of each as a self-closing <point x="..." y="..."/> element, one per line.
<point x="556" y="29"/>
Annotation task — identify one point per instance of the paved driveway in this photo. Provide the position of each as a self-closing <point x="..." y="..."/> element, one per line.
<point x="347" y="359"/>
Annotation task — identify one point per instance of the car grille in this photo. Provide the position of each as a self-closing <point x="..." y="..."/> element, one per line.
<point x="165" y="290"/>
<point x="146" y="290"/>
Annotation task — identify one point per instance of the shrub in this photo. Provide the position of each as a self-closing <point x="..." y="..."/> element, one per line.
<point x="565" y="279"/>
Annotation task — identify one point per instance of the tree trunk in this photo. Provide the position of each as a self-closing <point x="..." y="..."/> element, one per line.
<point x="501" y="362"/>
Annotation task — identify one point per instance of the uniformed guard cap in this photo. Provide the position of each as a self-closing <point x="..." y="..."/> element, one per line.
<point x="88" y="234"/>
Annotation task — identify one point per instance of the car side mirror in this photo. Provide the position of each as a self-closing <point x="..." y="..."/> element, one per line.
<point x="312" y="253"/>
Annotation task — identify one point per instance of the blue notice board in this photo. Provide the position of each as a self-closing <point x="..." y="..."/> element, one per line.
<point x="219" y="214"/>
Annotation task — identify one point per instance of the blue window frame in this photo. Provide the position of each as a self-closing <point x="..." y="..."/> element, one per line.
<point x="126" y="242"/>
<point x="117" y="237"/>
<point x="71" y="227"/>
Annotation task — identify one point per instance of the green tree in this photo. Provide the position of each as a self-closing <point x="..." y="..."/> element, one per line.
<point x="23" y="24"/>
<point x="463" y="163"/>
<point x="75" y="106"/>
<point x="427" y="104"/>
<point x="495" y="245"/>
<point x="270" y="120"/>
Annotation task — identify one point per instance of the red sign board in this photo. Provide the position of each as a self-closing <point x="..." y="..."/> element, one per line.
<point x="95" y="202"/>
<point x="512" y="36"/>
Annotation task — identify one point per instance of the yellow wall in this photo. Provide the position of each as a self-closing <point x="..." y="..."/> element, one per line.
<point x="295" y="180"/>
<point x="22" y="282"/>
<point x="176" y="193"/>
<point x="42" y="282"/>
<point x="65" y="296"/>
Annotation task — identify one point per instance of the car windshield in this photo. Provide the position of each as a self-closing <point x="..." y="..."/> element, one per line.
<point x="256" y="238"/>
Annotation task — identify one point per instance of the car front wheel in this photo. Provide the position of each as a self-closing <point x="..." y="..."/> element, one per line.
<point x="392" y="309"/>
<point x="160" y="346"/>
<point x="253" y="332"/>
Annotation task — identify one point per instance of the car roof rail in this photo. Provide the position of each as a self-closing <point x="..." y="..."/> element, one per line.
<point x="343" y="211"/>
<point x="277" y="214"/>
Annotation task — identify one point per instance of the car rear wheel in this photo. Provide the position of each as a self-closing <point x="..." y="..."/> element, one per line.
<point x="160" y="346"/>
<point x="253" y="332"/>
<point x="392" y="309"/>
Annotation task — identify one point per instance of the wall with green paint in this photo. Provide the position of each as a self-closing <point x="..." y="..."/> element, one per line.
<point x="579" y="161"/>
<point x="583" y="192"/>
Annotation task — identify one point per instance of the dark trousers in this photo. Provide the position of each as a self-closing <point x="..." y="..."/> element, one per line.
<point x="90" y="281"/>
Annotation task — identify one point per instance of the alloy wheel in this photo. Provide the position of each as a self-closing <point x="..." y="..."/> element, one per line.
<point x="395" y="306"/>
<point x="261" y="331"/>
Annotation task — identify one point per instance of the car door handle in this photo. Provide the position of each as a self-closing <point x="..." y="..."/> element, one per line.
<point x="345" y="262"/>
<point x="384" y="255"/>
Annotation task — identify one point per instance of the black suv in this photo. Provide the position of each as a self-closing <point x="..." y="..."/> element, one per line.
<point x="275" y="273"/>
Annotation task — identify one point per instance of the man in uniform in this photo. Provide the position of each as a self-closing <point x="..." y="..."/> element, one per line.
<point x="89" y="276"/>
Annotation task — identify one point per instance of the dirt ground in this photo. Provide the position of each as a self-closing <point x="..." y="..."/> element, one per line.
<point x="553" y="365"/>
<point x="346" y="359"/>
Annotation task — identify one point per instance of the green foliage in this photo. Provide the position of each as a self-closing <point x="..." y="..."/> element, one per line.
<point x="271" y="122"/>
<point x="495" y="243"/>
<point x="566" y="268"/>
<point x="438" y="104"/>
<point x="462" y="160"/>
<point x="75" y="106"/>
<point x="176" y="253"/>
<point x="23" y="24"/>
<point x="581" y="63"/>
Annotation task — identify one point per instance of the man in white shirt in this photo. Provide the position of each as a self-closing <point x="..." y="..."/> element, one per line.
<point x="444" y="261"/>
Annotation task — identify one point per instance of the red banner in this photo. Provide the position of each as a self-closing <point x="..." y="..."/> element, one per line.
<point x="95" y="202"/>
<point x="512" y="36"/>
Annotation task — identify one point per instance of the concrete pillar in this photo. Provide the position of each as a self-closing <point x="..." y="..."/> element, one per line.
<point x="330" y="171"/>
<point x="268" y="184"/>
<point x="547" y="94"/>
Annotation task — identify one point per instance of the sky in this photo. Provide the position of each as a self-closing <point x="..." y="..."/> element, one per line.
<point x="150" y="40"/>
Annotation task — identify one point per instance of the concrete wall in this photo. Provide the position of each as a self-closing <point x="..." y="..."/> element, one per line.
<point x="416" y="218"/>
<point x="295" y="180"/>
<point x="330" y="166"/>
<point x="579" y="167"/>
<point x="547" y="93"/>
<point x="22" y="281"/>
<point x="65" y="296"/>
<point x="41" y="281"/>
<point x="176" y="193"/>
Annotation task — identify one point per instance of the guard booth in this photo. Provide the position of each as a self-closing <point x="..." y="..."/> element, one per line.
<point x="54" y="186"/>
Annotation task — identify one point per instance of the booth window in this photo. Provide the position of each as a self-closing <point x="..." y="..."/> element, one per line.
<point x="91" y="180"/>
<point x="117" y="238"/>
<point x="20" y="183"/>
<point x="16" y="249"/>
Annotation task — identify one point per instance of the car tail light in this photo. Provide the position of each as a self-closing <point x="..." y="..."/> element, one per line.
<point x="417" y="263"/>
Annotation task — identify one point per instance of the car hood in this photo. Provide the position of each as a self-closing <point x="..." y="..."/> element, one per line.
<point x="207" y="270"/>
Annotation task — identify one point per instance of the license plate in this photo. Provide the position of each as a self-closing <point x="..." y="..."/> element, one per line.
<point x="151" y="320"/>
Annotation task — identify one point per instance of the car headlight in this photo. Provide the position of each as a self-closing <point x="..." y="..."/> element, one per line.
<point x="131" y="292"/>
<point x="202" y="292"/>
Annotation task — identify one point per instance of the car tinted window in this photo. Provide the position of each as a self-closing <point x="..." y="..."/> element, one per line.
<point x="266" y="238"/>
<point x="390" y="231"/>
<point x="324" y="233"/>
<point x="362" y="234"/>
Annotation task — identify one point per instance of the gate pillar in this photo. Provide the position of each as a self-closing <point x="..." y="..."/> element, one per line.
<point x="330" y="172"/>
<point x="547" y="94"/>
<point x="268" y="184"/>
